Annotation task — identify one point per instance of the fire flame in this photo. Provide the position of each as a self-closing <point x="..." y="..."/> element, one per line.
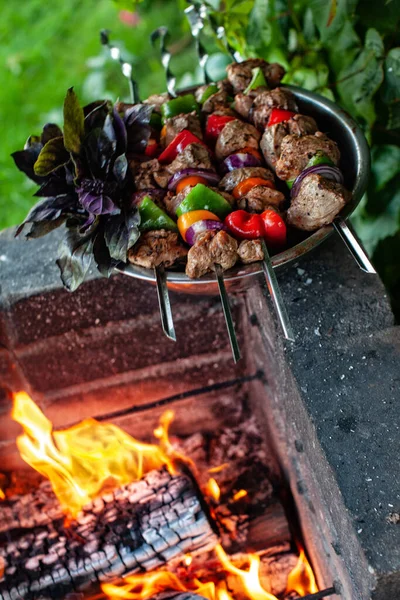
<point x="2" y="495"/>
<point x="91" y="457"/>
<point x="85" y="460"/>
<point x="144" y="586"/>
<point x="301" y="579"/>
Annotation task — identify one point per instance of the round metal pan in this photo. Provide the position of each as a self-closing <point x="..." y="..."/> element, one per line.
<point x="355" y="165"/>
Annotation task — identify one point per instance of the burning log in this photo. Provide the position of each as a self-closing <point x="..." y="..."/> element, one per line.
<point x="138" y="527"/>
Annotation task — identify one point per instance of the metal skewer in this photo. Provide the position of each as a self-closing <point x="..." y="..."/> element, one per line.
<point x="126" y="67"/>
<point x="353" y="245"/>
<point x="162" y="34"/>
<point x="276" y="294"/>
<point x="161" y="280"/>
<point x="196" y="21"/>
<point x="164" y="303"/>
<point x="227" y="313"/>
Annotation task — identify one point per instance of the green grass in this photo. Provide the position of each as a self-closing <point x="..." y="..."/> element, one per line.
<point x="47" y="47"/>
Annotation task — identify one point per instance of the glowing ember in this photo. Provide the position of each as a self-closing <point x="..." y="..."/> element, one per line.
<point x="240" y="494"/>
<point x="301" y="579"/>
<point x="89" y="458"/>
<point x="2" y="495"/>
<point x="212" y="489"/>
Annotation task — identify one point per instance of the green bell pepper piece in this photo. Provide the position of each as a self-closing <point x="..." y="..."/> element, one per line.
<point x="258" y="80"/>
<point x="209" y="91"/>
<point x="319" y="159"/>
<point x="152" y="217"/>
<point x="202" y="198"/>
<point x="290" y="183"/>
<point x="155" y="120"/>
<point x="179" y="105"/>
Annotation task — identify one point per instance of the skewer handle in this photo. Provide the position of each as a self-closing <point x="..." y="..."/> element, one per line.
<point x="126" y="67"/>
<point x="196" y="21"/>
<point x="164" y="303"/>
<point x="163" y="34"/>
<point x="227" y="313"/>
<point x="276" y="294"/>
<point x="353" y="245"/>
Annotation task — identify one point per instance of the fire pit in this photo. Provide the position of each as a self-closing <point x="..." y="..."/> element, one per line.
<point x="248" y="425"/>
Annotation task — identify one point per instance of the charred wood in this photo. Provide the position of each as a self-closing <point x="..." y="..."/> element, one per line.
<point x="138" y="527"/>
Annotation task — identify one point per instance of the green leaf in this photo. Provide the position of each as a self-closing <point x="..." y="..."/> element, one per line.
<point x="391" y="88"/>
<point x="358" y="83"/>
<point x="373" y="229"/>
<point x="52" y="156"/>
<point x="394" y="116"/>
<point x="73" y="122"/>
<point x="263" y="29"/>
<point x="330" y="16"/>
<point x="74" y="258"/>
<point x="385" y="164"/>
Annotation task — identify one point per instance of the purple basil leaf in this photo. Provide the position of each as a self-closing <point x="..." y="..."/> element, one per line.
<point x="99" y="152"/>
<point x="42" y="228"/>
<point x="95" y="114"/>
<point x="25" y="159"/>
<point x="108" y="129"/>
<point x="55" y="185"/>
<point x="120" y="168"/>
<point x="120" y="132"/>
<point x="50" y="209"/>
<point x="94" y="196"/>
<point x="105" y="264"/>
<point x="121" y="232"/>
<point x="50" y="131"/>
<point x="137" y="121"/>
<point x="74" y="258"/>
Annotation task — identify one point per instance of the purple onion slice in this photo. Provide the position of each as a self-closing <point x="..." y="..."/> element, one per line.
<point x="201" y="226"/>
<point x="327" y="171"/>
<point x="212" y="177"/>
<point x="239" y="161"/>
<point x="156" y="193"/>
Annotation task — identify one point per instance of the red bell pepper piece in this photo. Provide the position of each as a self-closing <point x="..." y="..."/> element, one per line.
<point x="274" y="228"/>
<point x="183" y="139"/>
<point x="151" y="148"/>
<point x="278" y="115"/>
<point x="244" y="225"/>
<point x="215" y="125"/>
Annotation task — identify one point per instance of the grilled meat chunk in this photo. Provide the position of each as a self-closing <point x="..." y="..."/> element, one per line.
<point x="297" y="151"/>
<point x="216" y="102"/>
<point x="272" y="138"/>
<point x="266" y="101"/>
<point x="260" y="198"/>
<point x="317" y="203"/>
<point x="172" y="202"/>
<point x="250" y="251"/>
<point x="211" y="247"/>
<point x="148" y="174"/>
<point x="233" y="178"/>
<point x="175" y="125"/>
<point x="157" y="100"/>
<point x="222" y="85"/>
<point x="194" y="156"/>
<point x="239" y="74"/>
<point x="157" y="247"/>
<point x="235" y="136"/>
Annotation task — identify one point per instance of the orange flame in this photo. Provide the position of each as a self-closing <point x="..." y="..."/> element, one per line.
<point x="90" y="457"/>
<point x="240" y="494"/>
<point x="301" y="579"/>
<point x="2" y="495"/>
<point x="145" y="586"/>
